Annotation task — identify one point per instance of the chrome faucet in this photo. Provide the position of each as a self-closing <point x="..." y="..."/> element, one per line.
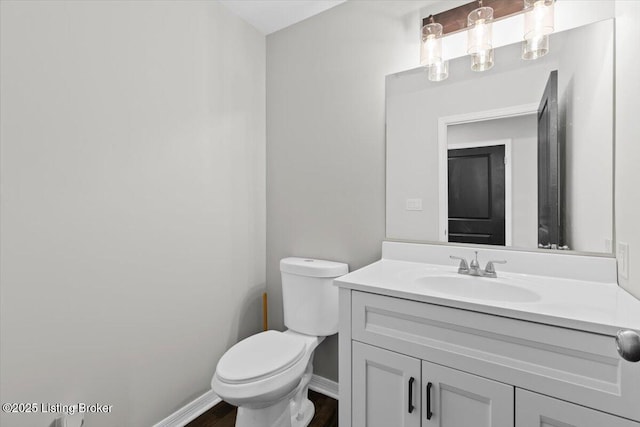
<point x="473" y="269"/>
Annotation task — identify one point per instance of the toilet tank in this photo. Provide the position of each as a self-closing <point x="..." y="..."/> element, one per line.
<point x="309" y="298"/>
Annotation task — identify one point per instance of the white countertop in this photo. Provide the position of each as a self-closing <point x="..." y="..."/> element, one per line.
<point x="592" y="306"/>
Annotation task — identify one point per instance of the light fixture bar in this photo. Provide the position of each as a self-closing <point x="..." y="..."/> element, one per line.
<point x="476" y="18"/>
<point x="455" y="20"/>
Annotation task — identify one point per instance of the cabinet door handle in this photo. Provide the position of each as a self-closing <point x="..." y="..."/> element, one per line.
<point x="411" y="407"/>
<point x="429" y="413"/>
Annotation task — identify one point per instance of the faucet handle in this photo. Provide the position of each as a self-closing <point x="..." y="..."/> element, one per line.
<point x="490" y="269"/>
<point x="463" y="268"/>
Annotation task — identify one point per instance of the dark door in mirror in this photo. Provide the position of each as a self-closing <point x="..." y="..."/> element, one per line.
<point x="550" y="161"/>
<point x="477" y="195"/>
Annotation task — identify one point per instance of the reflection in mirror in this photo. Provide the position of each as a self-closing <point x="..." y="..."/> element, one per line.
<point x="521" y="155"/>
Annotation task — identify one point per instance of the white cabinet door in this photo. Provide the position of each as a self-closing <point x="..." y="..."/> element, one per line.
<point x="452" y="398"/>
<point x="536" y="410"/>
<point x="385" y="388"/>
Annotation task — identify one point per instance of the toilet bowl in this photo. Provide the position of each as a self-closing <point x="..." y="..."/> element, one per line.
<point x="267" y="375"/>
<point x="263" y="371"/>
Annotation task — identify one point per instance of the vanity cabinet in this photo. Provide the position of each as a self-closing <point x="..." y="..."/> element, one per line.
<point x="454" y="398"/>
<point x="392" y="389"/>
<point x="475" y="369"/>
<point x="536" y="410"/>
<point x="388" y="388"/>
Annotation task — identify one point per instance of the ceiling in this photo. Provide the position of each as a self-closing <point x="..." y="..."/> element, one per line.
<point x="269" y="16"/>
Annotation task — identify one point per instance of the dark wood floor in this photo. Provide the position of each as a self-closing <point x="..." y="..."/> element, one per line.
<point x="224" y="415"/>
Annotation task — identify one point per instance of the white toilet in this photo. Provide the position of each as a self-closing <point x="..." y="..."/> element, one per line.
<point x="267" y="375"/>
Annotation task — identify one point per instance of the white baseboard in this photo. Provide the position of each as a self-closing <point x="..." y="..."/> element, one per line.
<point x="190" y="411"/>
<point x="324" y="386"/>
<point x="197" y="407"/>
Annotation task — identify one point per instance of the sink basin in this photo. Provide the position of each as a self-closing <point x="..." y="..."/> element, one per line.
<point x="477" y="288"/>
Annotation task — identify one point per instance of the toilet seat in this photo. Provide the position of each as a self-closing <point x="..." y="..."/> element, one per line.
<point x="259" y="357"/>
<point x="265" y="388"/>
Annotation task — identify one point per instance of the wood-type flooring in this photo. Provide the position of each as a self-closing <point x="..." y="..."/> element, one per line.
<point x="224" y="415"/>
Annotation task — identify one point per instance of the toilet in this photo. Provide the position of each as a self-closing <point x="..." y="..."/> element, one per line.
<point x="267" y="375"/>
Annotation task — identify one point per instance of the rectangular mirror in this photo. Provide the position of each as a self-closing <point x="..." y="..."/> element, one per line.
<point x="519" y="156"/>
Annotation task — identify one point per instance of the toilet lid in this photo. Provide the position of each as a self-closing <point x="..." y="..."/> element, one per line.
<point x="259" y="356"/>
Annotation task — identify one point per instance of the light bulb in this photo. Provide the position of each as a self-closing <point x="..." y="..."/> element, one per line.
<point x="538" y="24"/>
<point x="480" y="38"/>
<point x="431" y="47"/>
<point x="480" y="33"/>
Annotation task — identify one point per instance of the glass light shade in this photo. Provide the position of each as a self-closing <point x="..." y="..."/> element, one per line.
<point x="431" y="46"/>
<point x="538" y="18"/>
<point x="439" y="71"/>
<point x="480" y="32"/>
<point x="535" y="47"/>
<point x="538" y="24"/>
<point x="482" y="61"/>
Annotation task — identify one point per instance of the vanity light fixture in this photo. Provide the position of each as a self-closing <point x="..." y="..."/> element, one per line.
<point x="476" y="18"/>
<point x="480" y="37"/>
<point x="538" y="24"/>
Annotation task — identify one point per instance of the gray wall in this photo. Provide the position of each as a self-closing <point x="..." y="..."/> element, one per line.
<point x="133" y="202"/>
<point x="325" y="138"/>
